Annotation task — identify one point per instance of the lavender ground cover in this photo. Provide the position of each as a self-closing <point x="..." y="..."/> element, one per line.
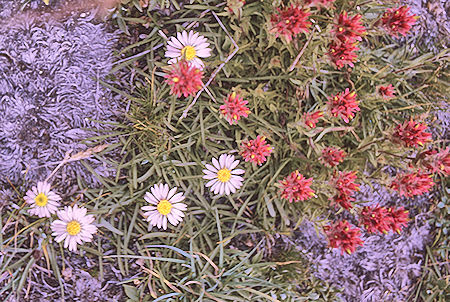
<point x="50" y="96"/>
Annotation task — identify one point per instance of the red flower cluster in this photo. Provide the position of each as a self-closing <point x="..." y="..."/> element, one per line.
<point x="398" y="21"/>
<point x="386" y="92"/>
<point x="379" y="219"/>
<point x="296" y="187"/>
<point x="411" y="134"/>
<point x="412" y="184"/>
<point x="332" y="156"/>
<point x="375" y="219"/>
<point x="348" y="30"/>
<point x="343" y="54"/>
<point x="344" y="183"/>
<point x="342" y="235"/>
<point x="398" y="218"/>
<point x="343" y="104"/>
<point x="437" y="162"/>
<point x="184" y="79"/>
<point x="289" y="22"/>
<point x="234" y="108"/>
<point x="256" y="150"/>
<point x="311" y="119"/>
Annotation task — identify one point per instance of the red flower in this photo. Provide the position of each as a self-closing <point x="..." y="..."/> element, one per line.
<point x="234" y="108"/>
<point x="375" y="219"/>
<point x="344" y="200"/>
<point x="184" y="79"/>
<point x="344" y="183"/>
<point x="398" y="21"/>
<point x="437" y="162"/>
<point x="411" y="134"/>
<point x="332" y="156"/>
<point x="343" y="104"/>
<point x="398" y="218"/>
<point x="387" y="92"/>
<point x="296" y="187"/>
<point x="348" y="29"/>
<point x="256" y="150"/>
<point x="289" y="22"/>
<point x="311" y="119"/>
<point x="343" y="54"/>
<point x="412" y="184"/>
<point x="341" y="235"/>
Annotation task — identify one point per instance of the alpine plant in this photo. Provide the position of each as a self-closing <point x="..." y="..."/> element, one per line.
<point x="412" y="184"/>
<point x="332" y="156"/>
<point x="289" y="22"/>
<point x="234" y="108"/>
<point x="184" y="79"/>
<point x="343" y="105"/>
<point x="341" y="235"/>
<point x="256" y="150"/>
<point x="312" y="118"/>
<point x="411" y="134"/>
<point x="398" y="21"/>
<point x="296" y="187"/>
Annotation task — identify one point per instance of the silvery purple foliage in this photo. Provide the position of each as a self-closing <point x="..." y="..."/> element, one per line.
<point x="49" y="94"/>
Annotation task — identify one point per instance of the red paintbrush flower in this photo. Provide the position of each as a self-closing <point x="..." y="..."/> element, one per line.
<point x="289" y="22"/>
<point x="256" y="150"/>
<point x="386" y="92"/>
<point x="375" y="219"/>
<point x="398" y="218"/>
<point x="343" y="104"/>
<point x="296" y="187"/>
<point x="342" y="235"/>
<point x="332" y="156"/>
<point x="343" y="54"/>
<point x="348" y="30"/>
<point x="412" y="184"/>
<point x="411" y="134"/>
<point x="398" y="21"/>
<point x="344" y="183"/>
<point x="234" y="108"/>
<point x="184" y="79"/>
<point x="436" y="162"/>
<point x="343" y="200"/>
<point x="311" y="119"/>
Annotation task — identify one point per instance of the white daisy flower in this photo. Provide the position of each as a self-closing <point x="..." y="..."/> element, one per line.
<point x="190" y="46"/>
<point x="74" y="226"/>
<point x="222" y="178"/>
<point x="43" y="202"/>
<point x="165" y="205"/>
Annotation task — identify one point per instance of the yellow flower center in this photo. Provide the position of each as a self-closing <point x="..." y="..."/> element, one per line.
<point x="223" y="175"/>
<point x="164" y="207"/>
<point x="41" y="200"/>
<point x="188" y="52"/>
<point x="73" y="228"/>
<point x="175" y="80"/>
